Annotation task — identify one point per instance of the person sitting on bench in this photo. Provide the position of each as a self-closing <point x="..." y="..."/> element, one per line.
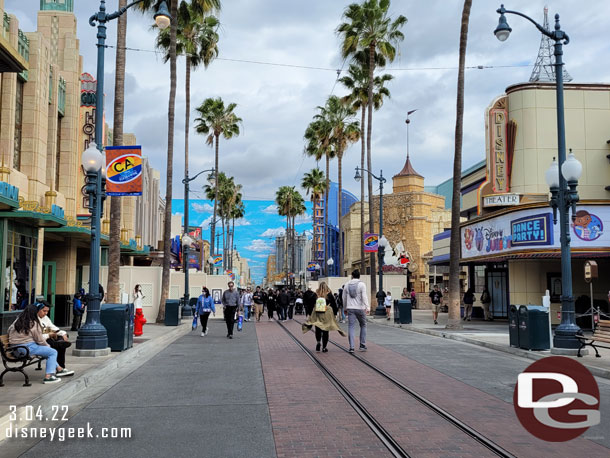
<point x="55" y="337"/>
<point x="27" y="332"/>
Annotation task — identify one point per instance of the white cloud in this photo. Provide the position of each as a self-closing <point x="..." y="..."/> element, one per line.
<point x="274" y="232"/>
<point x="242" y="222"/>
<point x="261" y="255"/>
<point x="270" y="210"/>
<point x="205" y="208"/>
<point x="259" y="246"/>
<point x="303" y="219"/>
<point x="206" y="222"/>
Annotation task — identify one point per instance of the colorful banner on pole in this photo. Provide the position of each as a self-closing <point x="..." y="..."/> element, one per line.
<point x="217" y="260"/>
<point x="371" y="243"/>
<point x="124" y="170"/>
<point x="311" y="267"/>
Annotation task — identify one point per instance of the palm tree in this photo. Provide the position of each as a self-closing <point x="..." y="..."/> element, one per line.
<point x="290" y="204"/>
<point x="114" y="249"/>
<point x="454" y="321"/>
<point x="314" y="183"/>
<point x="317" y="135"/>
<point x="344" y="131"/>
<point x="215" y="120"/>
<point x="357" y="82"/>
<point x="368" y="27"/>
<point x="282" y="200"/>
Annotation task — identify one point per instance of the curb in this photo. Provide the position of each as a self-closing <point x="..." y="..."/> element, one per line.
<point x="122" y="365"/>
<point x="597" y="371"/>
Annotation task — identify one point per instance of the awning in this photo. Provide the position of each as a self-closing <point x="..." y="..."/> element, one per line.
<point x="575" y="253"/>
<point x="77" y="232"/>
<point x="33" y="218"/>
<point x="10" y="59"/>
<point x="9" y="196"/>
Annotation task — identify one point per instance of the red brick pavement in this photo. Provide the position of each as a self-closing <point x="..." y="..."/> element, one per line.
<point x="309" y="416"/>
<point x="490" y="416"/>
<point x="417" y="429"/>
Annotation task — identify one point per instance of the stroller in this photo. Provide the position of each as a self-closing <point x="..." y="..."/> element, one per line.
<point x="298" y="306"/>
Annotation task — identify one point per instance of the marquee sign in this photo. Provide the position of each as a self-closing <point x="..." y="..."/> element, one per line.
<point x="124" y="170"/>
<point x="498" y="118"/>
<point x="534" y="229"/>
<point x="501" y="200"/>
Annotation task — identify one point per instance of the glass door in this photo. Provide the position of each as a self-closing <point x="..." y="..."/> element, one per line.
<point x="49" y="269"/>
<point x="496" y="284"/>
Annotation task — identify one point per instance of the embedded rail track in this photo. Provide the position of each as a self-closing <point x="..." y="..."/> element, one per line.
<point x="373" y="423"/>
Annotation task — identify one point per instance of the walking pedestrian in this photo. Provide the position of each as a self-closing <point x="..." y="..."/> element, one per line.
<point x="271" y="304"/>
<point x="340" y="305"/>
<point x="468" y="301"/>
<point x="257" y="298"/>
<point x="205" y="306"/>
<point x="26" y="331"/>
<point x="356" y="303"/>
<point x="230" y="303"/>
<point x="388" y="304"/>
<point x="283" y="300"/>
<point x="413" y="298"/>
<point x="291" y="301"/>
<point x="246" y="303"/>
<point x="309" y="301"/>
<point x="435" y="298"/>
<point x="486" y="301"/>
<point x="323" y="317"/>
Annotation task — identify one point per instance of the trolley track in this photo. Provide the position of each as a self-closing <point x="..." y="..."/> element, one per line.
<point x="386" y="437"/>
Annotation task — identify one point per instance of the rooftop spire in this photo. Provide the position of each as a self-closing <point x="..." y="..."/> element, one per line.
<point x="408" y="169"/>
<point x="544" y="69"/>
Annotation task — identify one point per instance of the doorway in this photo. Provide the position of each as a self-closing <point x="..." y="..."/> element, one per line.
<point x="497" y="281"/>
<point x="49" y="270"/>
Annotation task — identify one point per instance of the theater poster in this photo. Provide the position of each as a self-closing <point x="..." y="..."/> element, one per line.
<point x="124" y="170"/>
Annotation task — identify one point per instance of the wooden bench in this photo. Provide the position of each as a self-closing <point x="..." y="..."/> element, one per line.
<point x="14" y="363"/>
<point x="601" y="334"/>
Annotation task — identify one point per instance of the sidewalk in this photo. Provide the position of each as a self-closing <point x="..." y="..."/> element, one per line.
<point x="91" y="374"/>
<point x="493" y="335"/>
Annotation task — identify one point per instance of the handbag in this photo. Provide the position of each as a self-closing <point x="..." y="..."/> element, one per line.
<point x="195" y="322"/>
<point x="320" y="305"/>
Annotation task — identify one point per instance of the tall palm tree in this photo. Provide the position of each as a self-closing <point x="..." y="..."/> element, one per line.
<point x="345" y="130"/>
<point x="114" y="249"/>
<point x="357" y="81"/>
<point x="215" y="120"/>
<point x="454" y="321"/>
<point x="282" y="200"/>
<point x="367" y="26"/>
<point x="318" y="145"/>
<point x="314" y="184"/>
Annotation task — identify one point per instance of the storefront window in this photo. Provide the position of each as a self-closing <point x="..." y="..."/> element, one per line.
<point x="479" y="279"/>
<point x="20" y="270"/>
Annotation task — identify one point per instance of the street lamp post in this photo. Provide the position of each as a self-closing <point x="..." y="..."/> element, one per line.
<point x="92" y="338"/>
<point x="380" y="310"/>
<point x="186" y="309"/>
<point x="563" y="185"/>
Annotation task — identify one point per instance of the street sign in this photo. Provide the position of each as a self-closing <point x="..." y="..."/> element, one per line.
<point x="590" y="271"/>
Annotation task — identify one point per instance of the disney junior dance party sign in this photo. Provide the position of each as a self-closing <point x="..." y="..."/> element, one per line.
<point x="534" y="229"/>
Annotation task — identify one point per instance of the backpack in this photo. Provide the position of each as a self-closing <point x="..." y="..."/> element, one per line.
<point x="320" y="305"/>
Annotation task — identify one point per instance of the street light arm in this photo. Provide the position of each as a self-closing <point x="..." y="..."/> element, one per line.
<point x="556" y="35"/>
<point x="185" y="180"/>
<point x="380" y="179"/>
<point x="102" y="17"/>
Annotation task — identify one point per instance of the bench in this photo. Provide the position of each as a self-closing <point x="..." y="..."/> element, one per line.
<point x="14" y="363"/>
<point x="600" y="334"/>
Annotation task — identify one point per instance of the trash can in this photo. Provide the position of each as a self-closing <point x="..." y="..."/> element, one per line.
<point x="396" y="312"/>
<point x="116" y="318"/>
<point x="513" y="326"/>
<point x="172" y="312"/>
<point x="132" y="312"/>
<point x="534" y="327"/>
<point x="404" y="311"/>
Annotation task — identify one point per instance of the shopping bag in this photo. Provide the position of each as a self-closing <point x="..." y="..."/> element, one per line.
<point x="240" y="322"/>
<point x="195" y="322"/>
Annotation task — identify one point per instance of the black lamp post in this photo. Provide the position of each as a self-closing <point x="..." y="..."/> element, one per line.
<point x="186" y="242"/>
<point x="92" y="339"/>
<point x="562" y="185"/>
<point x="380" y="310"/>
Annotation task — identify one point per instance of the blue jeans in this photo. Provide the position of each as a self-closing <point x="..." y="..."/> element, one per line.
<point x="352" y="316"/>
<point x="247" y="312"/>
<point x="46" y="352"/>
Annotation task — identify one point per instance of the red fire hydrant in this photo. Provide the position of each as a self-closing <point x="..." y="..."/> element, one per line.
<point x="138" y="322"/>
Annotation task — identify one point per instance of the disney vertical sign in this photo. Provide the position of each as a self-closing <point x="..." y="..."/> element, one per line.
<point x="498" y="134"/>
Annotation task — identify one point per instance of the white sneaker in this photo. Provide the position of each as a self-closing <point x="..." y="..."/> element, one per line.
<point x="206" y="331"/>
<point x="203" y="334"/>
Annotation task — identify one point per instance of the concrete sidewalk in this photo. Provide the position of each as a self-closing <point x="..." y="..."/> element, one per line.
<point x="493" y="335"/>
<point x="92" y="376"/>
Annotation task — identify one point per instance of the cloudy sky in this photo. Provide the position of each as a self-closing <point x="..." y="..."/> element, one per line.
<point x="277" y="102"/>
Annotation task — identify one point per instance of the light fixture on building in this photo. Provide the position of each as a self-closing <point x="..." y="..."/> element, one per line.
<point x="552" y="175"/>
<point x="503" y="31"/>
<point x="92" y="160"/>
<point x="330" y="261"/>
<point x="571" y="168"/>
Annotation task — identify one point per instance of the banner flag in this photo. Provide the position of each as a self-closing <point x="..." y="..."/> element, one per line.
<point x="371" y="242"/>
<point x="124" y="170"/>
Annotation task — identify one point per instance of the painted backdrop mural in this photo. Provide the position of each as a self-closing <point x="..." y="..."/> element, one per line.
<point x="254" y="235"/>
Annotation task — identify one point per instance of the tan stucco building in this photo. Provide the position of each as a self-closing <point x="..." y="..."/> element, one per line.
<point x="411" y="215"/>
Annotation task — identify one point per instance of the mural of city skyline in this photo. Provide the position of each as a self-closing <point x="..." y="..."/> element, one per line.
<point x="254" y="234"/>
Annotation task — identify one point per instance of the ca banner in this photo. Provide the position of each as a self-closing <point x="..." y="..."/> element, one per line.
<point x="124" y="170"/>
